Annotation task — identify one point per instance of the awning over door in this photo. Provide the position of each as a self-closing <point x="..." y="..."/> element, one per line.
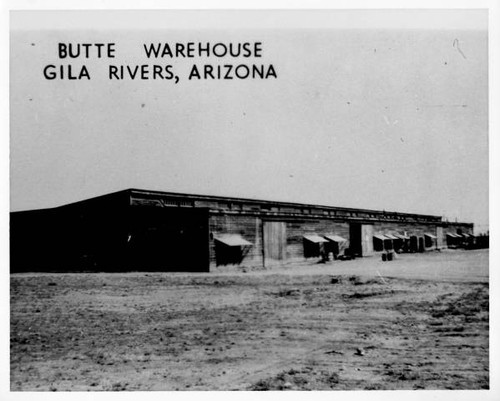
<point x="335" y="238"/>
<point x="316" y="239"/>
<point x="233" y="240"/>
<point x="390" y="236"/>
<point x="380" y="237"/>
<point x="401" y="236"/>
<point x="430" y="235"/>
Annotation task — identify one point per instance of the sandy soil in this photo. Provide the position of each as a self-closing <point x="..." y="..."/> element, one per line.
<point x="420" y="322"/>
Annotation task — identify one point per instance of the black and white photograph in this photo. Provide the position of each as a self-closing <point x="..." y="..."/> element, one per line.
<point x="250" y="200"/>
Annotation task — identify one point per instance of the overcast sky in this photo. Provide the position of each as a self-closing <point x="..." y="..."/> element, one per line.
<point x="375" y="117"/>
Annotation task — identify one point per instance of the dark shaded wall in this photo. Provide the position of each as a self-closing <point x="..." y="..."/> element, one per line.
<point x="107" y="234"/>
<point x="85" y="236"/>
<point x="167" y="239"/>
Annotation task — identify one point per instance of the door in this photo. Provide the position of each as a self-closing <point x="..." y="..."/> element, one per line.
<point x="355" y="239"/>
<point x="366" y="239"/>
<point x="421" y="244"/>
<point x="361" y="239"/>
<point x="274" y="233"/>
<point x="440" y="237"/>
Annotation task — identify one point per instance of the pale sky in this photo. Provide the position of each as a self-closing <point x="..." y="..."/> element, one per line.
<point x="372" y="117"/>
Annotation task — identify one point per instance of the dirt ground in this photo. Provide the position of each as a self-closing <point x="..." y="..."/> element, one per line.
<point x="419" y="322"/>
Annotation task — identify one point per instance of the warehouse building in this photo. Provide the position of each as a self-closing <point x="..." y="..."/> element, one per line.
<point x="138" y="230"/>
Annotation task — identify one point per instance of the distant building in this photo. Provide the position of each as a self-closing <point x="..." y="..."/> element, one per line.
<point x="137" y="230"/>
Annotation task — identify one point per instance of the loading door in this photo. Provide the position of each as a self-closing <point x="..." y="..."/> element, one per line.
<point x="367" y="239"/>
<point x="355" y="239"/>
<point x="361" y="239"/>
<point x="274" y="233"/>
<point x="440" y="237"/>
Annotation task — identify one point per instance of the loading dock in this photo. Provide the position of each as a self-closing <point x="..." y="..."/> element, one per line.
<point x="314" y="246"/>
<point x="430" y="240"/>
<point x="336" y="245"/>
<point x="378" y="242"/>
<point x="452" y="240"/>
<point x="413" y="243"/>
<point x="392" y="239"/>
<point x="231" y="249"/>
<point x="402" y="244"/>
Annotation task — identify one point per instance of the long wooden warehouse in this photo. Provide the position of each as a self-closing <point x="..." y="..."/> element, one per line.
<point x="138" y="230"/>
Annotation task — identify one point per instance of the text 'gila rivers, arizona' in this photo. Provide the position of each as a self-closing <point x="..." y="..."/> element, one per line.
<point x="220" y="61"/>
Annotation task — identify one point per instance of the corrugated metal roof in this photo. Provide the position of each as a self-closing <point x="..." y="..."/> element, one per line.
<point x="233" y="240"/>
<point x="315" y="238"/>
<point x="430" y="235"/>
<point x="335" y="238"/>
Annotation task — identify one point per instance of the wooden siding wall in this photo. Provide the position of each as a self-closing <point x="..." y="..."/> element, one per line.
<point x="249" y="227"/>
<point x="410" y="229"/>
<point x="297" y="229"/>
<point x="454" y="228"/>
<point x="401" y="228"/>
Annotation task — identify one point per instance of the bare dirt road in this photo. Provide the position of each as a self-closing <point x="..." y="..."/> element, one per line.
<point x="420" y="322"/>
